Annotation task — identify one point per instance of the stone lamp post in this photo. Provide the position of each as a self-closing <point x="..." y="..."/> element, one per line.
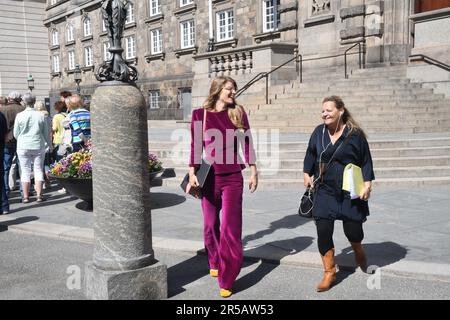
<point x="124" y="265"/>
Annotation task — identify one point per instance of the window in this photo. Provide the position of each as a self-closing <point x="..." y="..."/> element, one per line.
<point x="153" y="99"/>
<point x="225" y="25"/>
<point x="55" y="40"/>
<point x="103" y="25"/>
<point x="107" y="56"/>
<point x="70" y="33"/>
<point x="88" y="57"/>
<point x="87" y="27"/>
<point x="71" y="58"/>
<point x="55" y="63"/>
<point x="155" y="7"/>
<point x="269" y="11"/>
<point x="156" y="41"/>
<point x="52" y="2"/>
<point x="130" y="13"/>
<point x="130" y="43"/>
<point x="185" y="2"/>
<point x="187" y="34"/>
<point x="429" y="5"/>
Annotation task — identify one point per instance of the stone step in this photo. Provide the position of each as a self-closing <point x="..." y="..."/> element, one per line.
<point x="405" y="124"/>
<point x="362" y="117"/>
<point x="275" y="162"/>
<point x="301" y="144"/>
<point x="353" y="92"/>
<point x="372" y="130"/>
<point x="391" y="173"/>
<point x="182" y="155"/>
<point x="355" y="82"/>
<point x="360" y="99"/>
<point x="408" y="94"/>
<point x="356" y="86"/>
<point x="297" y="184"/>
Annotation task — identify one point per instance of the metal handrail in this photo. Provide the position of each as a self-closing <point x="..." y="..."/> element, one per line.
<point x="429" y="60"/>
<point x="261" y="75"/>
<point x="256" y="78"/>
<point x="299" y="68"/>
<point x="345" y="57"/>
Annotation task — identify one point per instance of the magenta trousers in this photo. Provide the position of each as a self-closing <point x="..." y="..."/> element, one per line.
<point x="222" y="237"/>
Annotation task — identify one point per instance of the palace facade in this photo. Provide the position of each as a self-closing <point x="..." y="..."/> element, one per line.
<point x="177" y="46"/>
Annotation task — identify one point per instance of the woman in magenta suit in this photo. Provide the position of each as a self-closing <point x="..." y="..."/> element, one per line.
<point x="224" y="131"/>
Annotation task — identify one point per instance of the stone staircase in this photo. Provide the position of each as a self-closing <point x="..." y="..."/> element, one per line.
<point x="381" y="99"/>
<point x="408" y="128"/>
<point x="416" y="160"/>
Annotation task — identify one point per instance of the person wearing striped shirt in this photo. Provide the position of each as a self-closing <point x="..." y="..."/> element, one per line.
<point x="80" y="123"/>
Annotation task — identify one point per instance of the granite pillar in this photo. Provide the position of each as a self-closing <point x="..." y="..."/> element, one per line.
<point x="123" y="266"/>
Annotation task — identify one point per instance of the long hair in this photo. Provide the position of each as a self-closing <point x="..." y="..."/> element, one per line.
<point x="235" y="112"/>
<point x="346" y="117"/>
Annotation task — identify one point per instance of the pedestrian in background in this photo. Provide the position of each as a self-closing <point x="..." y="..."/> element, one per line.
<point x="80" y="122"/>
<point x="10" y="111"/>
<point x="334" y="144"/>
<point x="59" y="149"/>
<point x="3" y="131"/>
<point x="40" y="107"/>
<point x="223" y="188"/>
<point x="32" y="133"/>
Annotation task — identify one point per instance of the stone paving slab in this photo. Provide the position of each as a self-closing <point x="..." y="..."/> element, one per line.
<point x="408" y="230"/>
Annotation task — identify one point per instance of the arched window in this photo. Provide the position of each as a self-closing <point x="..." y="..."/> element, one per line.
<point x="130" y="13"/>
<point x="70" y="33"/>
<point x="87" y="27"/>
<point x="55" y="38"/>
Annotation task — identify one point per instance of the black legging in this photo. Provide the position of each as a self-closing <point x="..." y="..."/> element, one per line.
<point x="353" y="231"/>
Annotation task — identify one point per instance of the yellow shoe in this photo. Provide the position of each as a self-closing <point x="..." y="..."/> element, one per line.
<point x="214" y="272"/>
<point x="225" y="293"/>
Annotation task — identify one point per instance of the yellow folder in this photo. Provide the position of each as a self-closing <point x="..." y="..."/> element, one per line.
<point x="353" y="180"/>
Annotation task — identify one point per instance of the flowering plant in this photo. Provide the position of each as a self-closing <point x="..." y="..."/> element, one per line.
<point x="79" y="164"/>
<point x="154" y="165"/>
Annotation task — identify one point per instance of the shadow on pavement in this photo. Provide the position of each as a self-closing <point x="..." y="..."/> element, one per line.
<point x="186" y="272"/>
<point x="287" y="222"/>
<point x="84" y="206"/>
<point x="378" y="255"/>
<point x="5" y="224"/>
<point x="52" y="200"/>
<point x="160" y="200"/>
<point x="276" y="250"/>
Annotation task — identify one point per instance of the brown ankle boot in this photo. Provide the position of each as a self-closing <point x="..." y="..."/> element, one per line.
<point x="329" y="275"/>
<point x="360" y="256"/>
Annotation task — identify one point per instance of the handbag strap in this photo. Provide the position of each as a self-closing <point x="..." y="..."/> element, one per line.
<point x="203" y="131"/>
<point x="323" y="168"/>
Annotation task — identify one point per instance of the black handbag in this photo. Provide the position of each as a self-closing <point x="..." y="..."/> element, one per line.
<point x="307" y="203"/>
<point x="201" y="173"/>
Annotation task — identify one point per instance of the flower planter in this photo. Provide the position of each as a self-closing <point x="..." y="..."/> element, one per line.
<point x="153" y="175"/>
<point x="77" y="187"/>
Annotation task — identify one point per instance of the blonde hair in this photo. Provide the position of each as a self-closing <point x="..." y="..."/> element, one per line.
<point x="346" y="117"/>
<point x="40" y="106"/>
<point x="74" y="102"/>
<point x="235" y="112"/>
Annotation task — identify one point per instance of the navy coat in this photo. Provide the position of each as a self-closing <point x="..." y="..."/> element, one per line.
<point x="331" y="202"/>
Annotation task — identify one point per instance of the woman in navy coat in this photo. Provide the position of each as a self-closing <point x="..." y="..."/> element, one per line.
<point x="334" y="144"/>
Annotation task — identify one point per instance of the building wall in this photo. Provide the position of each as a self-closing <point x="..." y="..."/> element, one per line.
<point x="320" y="30"/>
<point x="23" y="47"/>
<point x="173" y="70"/>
